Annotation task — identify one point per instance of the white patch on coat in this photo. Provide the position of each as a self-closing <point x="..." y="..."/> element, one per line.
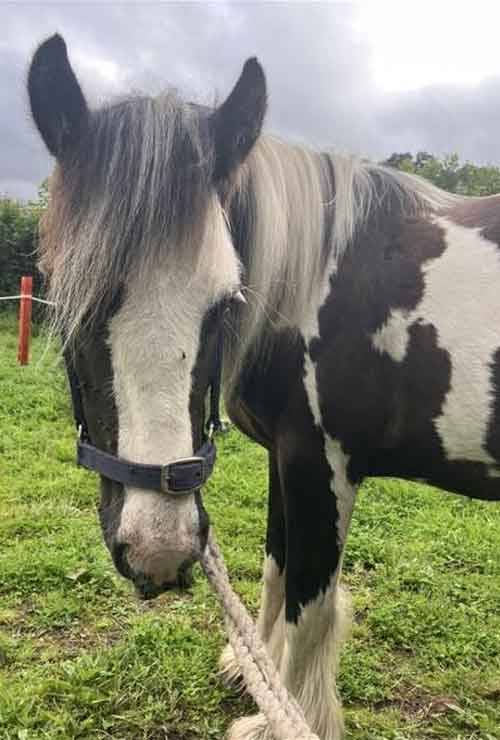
<point x="392" y="337"/>
<point x="312" y="658"/>
<point x="338" y="461"/>
<point x="271" y="619"/>
<point x="273" y="596"/>
<point x="311" y="389"/>
<point x="310" y="331"/>
<point x="154" y="340"/>
<point x="462" y="301"/>
<point x="345" y="491"/>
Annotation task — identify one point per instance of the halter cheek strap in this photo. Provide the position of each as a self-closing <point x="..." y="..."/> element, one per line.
<point x="178" y="477"/>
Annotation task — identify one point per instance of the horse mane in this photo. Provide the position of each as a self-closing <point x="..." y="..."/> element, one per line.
<point x="141" y="176"/>
<point x="296" y="212"/>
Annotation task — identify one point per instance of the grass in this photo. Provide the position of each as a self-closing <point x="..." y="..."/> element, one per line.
<point x="81" y="658"/>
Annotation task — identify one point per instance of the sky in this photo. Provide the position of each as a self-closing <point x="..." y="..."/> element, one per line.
<point x="370" y="78"/>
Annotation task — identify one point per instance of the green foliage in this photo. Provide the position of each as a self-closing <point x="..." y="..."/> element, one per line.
<point x="81" y="658"/>
<point x="42" y="200"/>
<point x="449" y="173"/>
<point x="18" y="225"/>
<point x="18" y="243"/>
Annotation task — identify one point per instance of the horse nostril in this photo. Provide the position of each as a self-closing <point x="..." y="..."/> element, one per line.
<point x="119" y="555"/>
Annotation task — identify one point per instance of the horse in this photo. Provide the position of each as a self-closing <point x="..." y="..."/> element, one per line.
<point x="359" y="310"/>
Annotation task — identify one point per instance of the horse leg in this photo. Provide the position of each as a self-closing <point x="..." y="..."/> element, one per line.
<point x="271" y="619"/>
<point x="318" y="501"/>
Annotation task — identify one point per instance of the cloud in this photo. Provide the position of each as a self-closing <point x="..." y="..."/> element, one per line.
<point x="318" y="64"/>
<point x="446" y="119"/>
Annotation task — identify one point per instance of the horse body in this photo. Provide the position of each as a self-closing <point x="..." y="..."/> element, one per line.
<point x="392" y="371"/>
<point x="370" y="343"/>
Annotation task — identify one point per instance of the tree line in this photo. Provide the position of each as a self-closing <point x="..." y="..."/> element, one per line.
<point x="449" y="173"/>
<point x="19" y="222"/>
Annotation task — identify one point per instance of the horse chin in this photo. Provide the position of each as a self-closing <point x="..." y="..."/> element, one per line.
<point x="146" y="589"/>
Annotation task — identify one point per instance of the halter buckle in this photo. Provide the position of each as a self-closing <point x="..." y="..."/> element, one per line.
<point x="178" y="490"/>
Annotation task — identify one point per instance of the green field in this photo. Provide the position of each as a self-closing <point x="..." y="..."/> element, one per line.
<point x="80" y="657"/>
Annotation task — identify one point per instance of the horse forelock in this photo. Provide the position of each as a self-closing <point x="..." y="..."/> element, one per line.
<point x="136" y="188"/>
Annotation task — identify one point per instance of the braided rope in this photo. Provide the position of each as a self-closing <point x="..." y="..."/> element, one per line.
<point x="283" y="713"/>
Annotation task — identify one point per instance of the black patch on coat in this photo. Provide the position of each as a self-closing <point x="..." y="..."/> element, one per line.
<point x="360" y="389"/>
<point x="264" y="390"/>
<point x="416" y="450"/>
<point x="203" y="370"/>
<point x="383" y="411"/>
<point x="92" y="362"/>
<point x="483" y="214"/>
<point x="256" y="408"/>
<point x="202" y="374"/>
<point x="493" y="436"/>
<point x="312" y="553"/>
<point x="272" y="408"/>
<point x="276" y="531"/>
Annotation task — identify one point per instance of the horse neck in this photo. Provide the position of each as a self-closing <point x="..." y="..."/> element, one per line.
<point x="281" y="217"/>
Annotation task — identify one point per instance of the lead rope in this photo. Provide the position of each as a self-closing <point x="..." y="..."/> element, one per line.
<point x="262" y="680"/>
<point x="283" y="713"/>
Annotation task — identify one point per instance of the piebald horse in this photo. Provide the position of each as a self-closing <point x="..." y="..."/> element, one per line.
<point x="368" y="343"/>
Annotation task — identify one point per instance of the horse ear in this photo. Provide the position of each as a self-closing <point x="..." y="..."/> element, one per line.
<point x="57" y="103"/>
<point x="237" y="123"/>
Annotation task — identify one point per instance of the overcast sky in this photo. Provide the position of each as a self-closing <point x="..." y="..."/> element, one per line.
<point x="370" y="78"/>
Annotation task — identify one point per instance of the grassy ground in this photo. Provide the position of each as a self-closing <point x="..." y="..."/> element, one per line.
<point x="81" y="658"/>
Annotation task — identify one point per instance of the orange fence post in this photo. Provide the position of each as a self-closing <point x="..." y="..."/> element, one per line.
<point x="25" y="309"/>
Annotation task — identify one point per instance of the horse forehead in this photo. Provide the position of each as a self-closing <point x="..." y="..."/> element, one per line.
<point x="167" y="308"/>
<point x="190" y="272"/>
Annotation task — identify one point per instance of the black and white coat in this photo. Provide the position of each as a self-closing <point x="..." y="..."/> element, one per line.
<point x="369" y="344"/>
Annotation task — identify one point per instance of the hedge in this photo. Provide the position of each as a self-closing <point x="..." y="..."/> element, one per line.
<point x="18" y="243"/>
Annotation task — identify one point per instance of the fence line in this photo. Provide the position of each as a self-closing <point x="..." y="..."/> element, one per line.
<point x="22" y="295"/>
<point x="26" y="299"/>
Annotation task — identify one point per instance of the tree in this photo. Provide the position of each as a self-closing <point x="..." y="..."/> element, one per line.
<point x="448" y="173"/>
<point x="18" y="242"/>
<point x="42" y="201"/>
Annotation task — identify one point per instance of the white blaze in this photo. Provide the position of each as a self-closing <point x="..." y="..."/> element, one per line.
<point x="154" y="340"/>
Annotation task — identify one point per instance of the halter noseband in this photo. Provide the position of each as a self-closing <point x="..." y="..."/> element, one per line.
<point x="178" y="477"/>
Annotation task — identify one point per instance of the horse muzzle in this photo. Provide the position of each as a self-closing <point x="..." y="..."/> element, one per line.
<point x="146" y="589"/>
<point x="157" y="572"/>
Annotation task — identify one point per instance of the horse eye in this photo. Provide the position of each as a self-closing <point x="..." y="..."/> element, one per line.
<point x="224" y="304"/>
